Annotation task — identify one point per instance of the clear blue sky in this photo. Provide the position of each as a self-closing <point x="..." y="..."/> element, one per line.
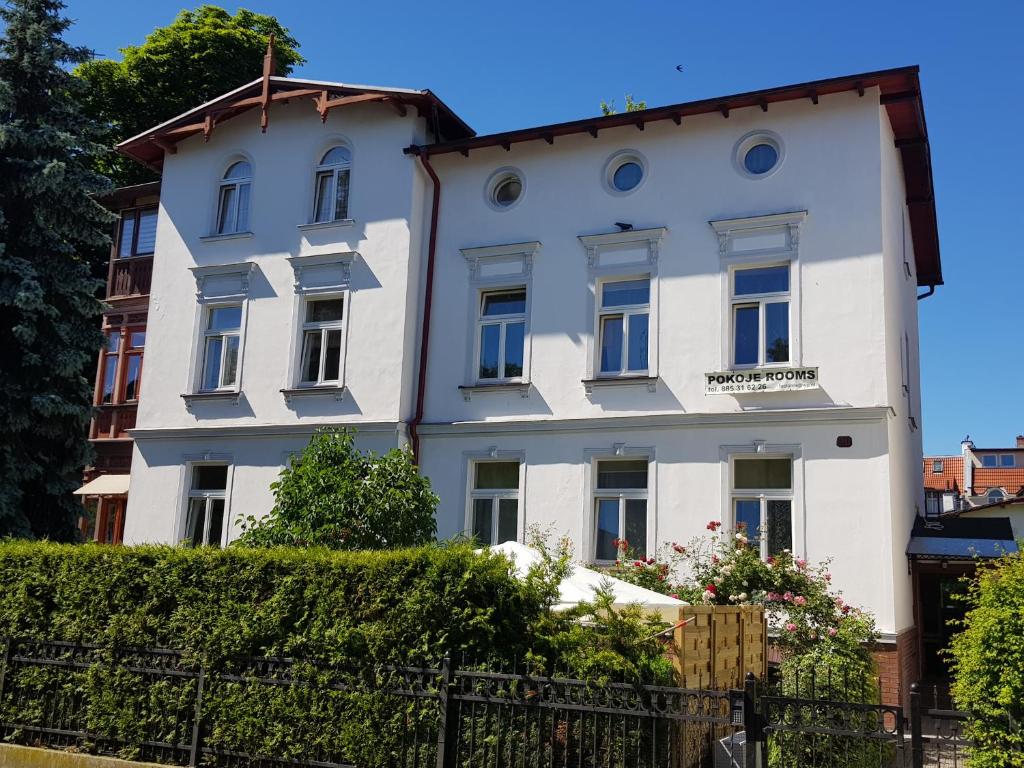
<point x="512" y="65"/>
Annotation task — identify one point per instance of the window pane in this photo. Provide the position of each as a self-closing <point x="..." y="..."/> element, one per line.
<point x="508" y="522"/>
<point x="780" y="525"/>
<point x="209" y="477"/>
<point x="230" y="361"/>
<point x="332" y="356"/>
<point x="490" y="336"/>
<point x="211" y="368"/>
<point x="311" y="355"/>
<point x="611" y="344"/>
<point x="637" y="343"/>
<point x="124" y="248"/>
<point x="625" y="293"/>
<point x="515" y="334"/>
<point x="760" y="158"/>
<point x="325" y="311"/>
<point x="748" y="512"/>
<point x="1006" y="460"/>
<point x="761" y="280"/>
<point x="109" y="375"/>
<point x="196" y="521"/>
<point x="763" y="473"/>
<point x="213" y="536"/>
<point x="988" y="460"/>
<point x="746" y="322"/>
<point x="147" y="232"/>
<point x="242" y="224"/>
<point x="496" y="475"/>
<point x="482" y="520"/>
<point x="114" y="341"/>
<point x="131" y="379"/>
<point x="627" y="176"/>
<point x="504" y="303"/>
<point x="239" y="170"/>
<point x="607" y="529"/>
<point x="341" y="198"/>
<point x="636" y="525"/>
<point x="225" y="318"/>
<point x="226" y="209"/>
<point x="137" y="339"/>
<point x="630" y="473"/>
<point x="776" y="332"/>
<point x="336" y="156"/>
<point x="324" y="182"/>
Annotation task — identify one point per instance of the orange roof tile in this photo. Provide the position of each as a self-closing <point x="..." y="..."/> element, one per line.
<point x="949" y="478"/>
<point x="985" y="478"/>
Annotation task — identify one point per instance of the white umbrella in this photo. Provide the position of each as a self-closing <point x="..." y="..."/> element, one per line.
<point x="581" y="583"/>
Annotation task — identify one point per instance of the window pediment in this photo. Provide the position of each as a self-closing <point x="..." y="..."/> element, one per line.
<point x="223" y="281"/>
<point x="323" y="272"/>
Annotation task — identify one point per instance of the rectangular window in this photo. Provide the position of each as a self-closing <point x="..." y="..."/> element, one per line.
<point x="623" y="327"/>
<point x="620" y="507"/>
<point x="495" y="502"/>
<point x="331" y="195"/>
<point x="762" y="502"/>
<point x="322" y="340"/>
<point x="760" y="316"/>
<point x="1006" y="460"/>
<point x="937" y="466"/>
<point x="502" y="334"/>
<point x="204" y="524"/>
<point x="138" y="233"/>
<point x="988" y="460"/>
<point x="221" y="345"/>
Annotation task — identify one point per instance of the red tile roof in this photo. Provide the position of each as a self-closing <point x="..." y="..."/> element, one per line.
<point x="949" y="478"/>
<point x="985" y="478"/>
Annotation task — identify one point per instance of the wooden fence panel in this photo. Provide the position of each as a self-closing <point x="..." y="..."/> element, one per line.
<point x="720" y="645"/>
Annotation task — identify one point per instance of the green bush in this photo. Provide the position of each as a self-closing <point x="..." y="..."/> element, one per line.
<point x="988" y="664"/>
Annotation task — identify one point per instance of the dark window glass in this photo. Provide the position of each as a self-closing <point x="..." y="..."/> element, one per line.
<point x="780" y="525"/>
<point x="124" y="248"/>
<point x="627" y="176"/>
<point x="988" y="460"/>
<point x="109" y="377"/>
<point x="515" y="334"/>
<point x="131" y="379"/>
<point x="311" y="355"/>
<point x="490" y="339"/>
<point x="1006" y="460"/>
<point x="239" y="170"/>
<point x="746" y="328"/>
<point x="761" y="280"/>
<point x="504" y="303"/>
<point x="623" y="293"/>
<point x="628" y="473"/>
<point x="341" y="196"/>
<point x="225" y="318"/>
<point x="776" y="332"/>
<point x="216" y="522"/>
<point x="332" y="359"/>
<point x="611" y="344"/>
<point x="325" y="311"/>
<point x="760" y="158"/>
<point x="748" y="512"/>
<point x="636" y="525"/>
<point x="763" y="473"/>
<point x="508" y="191"/>
<point x="482" y="512"/>
<point x="508" y="523"/>
<point x="210" y="477"/>
<point x="146" y="243"/>
<point x="114" y="341"/>
<point x="638" y="343"/>
<point x="496" y="475"/>
<point x="137" y="339"/>
<point x="607" y="529"/>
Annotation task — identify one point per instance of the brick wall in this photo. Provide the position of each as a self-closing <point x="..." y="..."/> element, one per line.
<point x="898" y="667"/>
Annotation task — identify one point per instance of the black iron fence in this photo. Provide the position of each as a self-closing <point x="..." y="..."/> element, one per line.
<point x="157" y="705"/>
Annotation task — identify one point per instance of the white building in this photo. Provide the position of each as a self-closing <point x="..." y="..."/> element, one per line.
<point x="637" y="323"/>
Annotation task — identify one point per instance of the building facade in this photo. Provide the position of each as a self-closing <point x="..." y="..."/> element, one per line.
<point x="622" y="327"/>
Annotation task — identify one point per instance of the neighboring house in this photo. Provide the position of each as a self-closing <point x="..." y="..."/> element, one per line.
<point x="119" y="371"/>
<point x="616" y="327"/>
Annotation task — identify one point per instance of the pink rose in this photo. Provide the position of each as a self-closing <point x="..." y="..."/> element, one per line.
<point x="674" y="596"/>
<point x="791" y="627"/>
<point x="800" y="600"/>
<point x="832" y="631"/>
<point x="787" y="596"/>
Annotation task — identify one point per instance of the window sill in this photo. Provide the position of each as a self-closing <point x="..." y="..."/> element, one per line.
<point x="651" y="382"/>
<point x="325" y="225"/>
<point x="338" y="392"/>
<point x="522" y="387"/>
<point x="225" y="236"/>
<point x="192" y="398"/>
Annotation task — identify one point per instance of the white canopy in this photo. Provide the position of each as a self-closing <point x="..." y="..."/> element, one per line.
<point x="105" y="485"/>
<point x="581" y="583"/>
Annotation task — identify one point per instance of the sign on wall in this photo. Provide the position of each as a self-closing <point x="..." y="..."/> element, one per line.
<point x="760" y="380"/>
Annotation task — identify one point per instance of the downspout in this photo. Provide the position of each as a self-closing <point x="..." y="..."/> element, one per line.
<point x="421" y="383"/>
<point x="926" y="294"/>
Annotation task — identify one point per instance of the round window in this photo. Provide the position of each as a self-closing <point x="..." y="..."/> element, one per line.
<point x="760" y="158"/>
<point x="624" y="172"/>
<point x="627" y="176"/>
<point x="504" y="189"/>
<point x="507" y="191"/>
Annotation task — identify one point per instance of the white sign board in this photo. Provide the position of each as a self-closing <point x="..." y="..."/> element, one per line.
<point x="760" y="380"/>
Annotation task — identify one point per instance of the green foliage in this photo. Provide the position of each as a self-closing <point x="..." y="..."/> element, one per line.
<point x="988" y="663"/>
<point x="608" y="107"/>
<point x="49" y="314"/>
<point x="336" y="497"/>
<point x="201" y="55"/>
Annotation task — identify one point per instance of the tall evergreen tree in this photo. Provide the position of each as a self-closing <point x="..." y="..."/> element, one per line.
<point x="49" y="329"/>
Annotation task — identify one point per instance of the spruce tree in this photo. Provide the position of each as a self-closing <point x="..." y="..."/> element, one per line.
<point x="49" y="313"/>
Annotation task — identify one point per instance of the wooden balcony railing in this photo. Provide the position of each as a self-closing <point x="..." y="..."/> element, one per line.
<point x="130" y="277"/>
<point x="113" y="421"/>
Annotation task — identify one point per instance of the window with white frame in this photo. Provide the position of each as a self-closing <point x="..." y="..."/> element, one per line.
<point x="996" y="495"/>
<point x="620" y="506"/>
<point x="221" y="344"/>
<point x="623" y="327"/>
<point x="322" y="334"/>
<point x="1006" y="460"/>
<point x="760" y="315"/>
<point x="989" y="460"/>
<point x="938" y="465"/>
<point x="233" y="199"/>
<point x="494" y="502"/>
<point x="501" y="334"/>
<point x="762" y="501"/>
<point x="332" y="185"/>
<point x="207" y="497"/>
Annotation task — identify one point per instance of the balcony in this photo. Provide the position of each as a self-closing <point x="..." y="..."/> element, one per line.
<point x="113" y="421"/>
<point x="130" y="277"/>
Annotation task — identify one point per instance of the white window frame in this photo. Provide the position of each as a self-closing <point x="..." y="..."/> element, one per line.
<point x="612" y="256"/>
<point x="591" y="493"/>
<point x="938" y="466"/>
<point x="223" y="335"/>
<point x="233" y="228"/>
<point x="503" y="321"/>
<point x="728" y="454"/>
<point x="760" y="241"/>
<point x="334" y="169"/>
<point x="188" y="463"/>
<point x="496" y="269"/>
<point x="495" y="495"/>
<point x="763" y="496"/>
<point x="324" y="326"/>
<point x="491" y="454"/>
<point x="995" y="491"/>
<point x="1011" y="457"/>
<point x="218" y="286"/>
<point x="626" y="312"/>
<point x="995" y="460"/>
<point x="760" y="300"/>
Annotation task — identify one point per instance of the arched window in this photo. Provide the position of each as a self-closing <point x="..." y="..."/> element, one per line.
<point x="996" y="495"/>
<point x="332" y="181"/>
<point x="233" y="200"/>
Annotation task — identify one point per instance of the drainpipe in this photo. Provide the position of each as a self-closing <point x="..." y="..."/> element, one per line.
<point x="421" y="383"/>
<point x="926" y="294"/>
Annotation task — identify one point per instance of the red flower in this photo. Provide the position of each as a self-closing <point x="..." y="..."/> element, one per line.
<point x="741" y="526"/>
<point x="650" y="561"/>
<point x="679" y="548"/>
<point x="711" y="588"/>
<point x="714" y="558"/>
<point x="615" y="542"/>
<point x="714" y="525"/>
